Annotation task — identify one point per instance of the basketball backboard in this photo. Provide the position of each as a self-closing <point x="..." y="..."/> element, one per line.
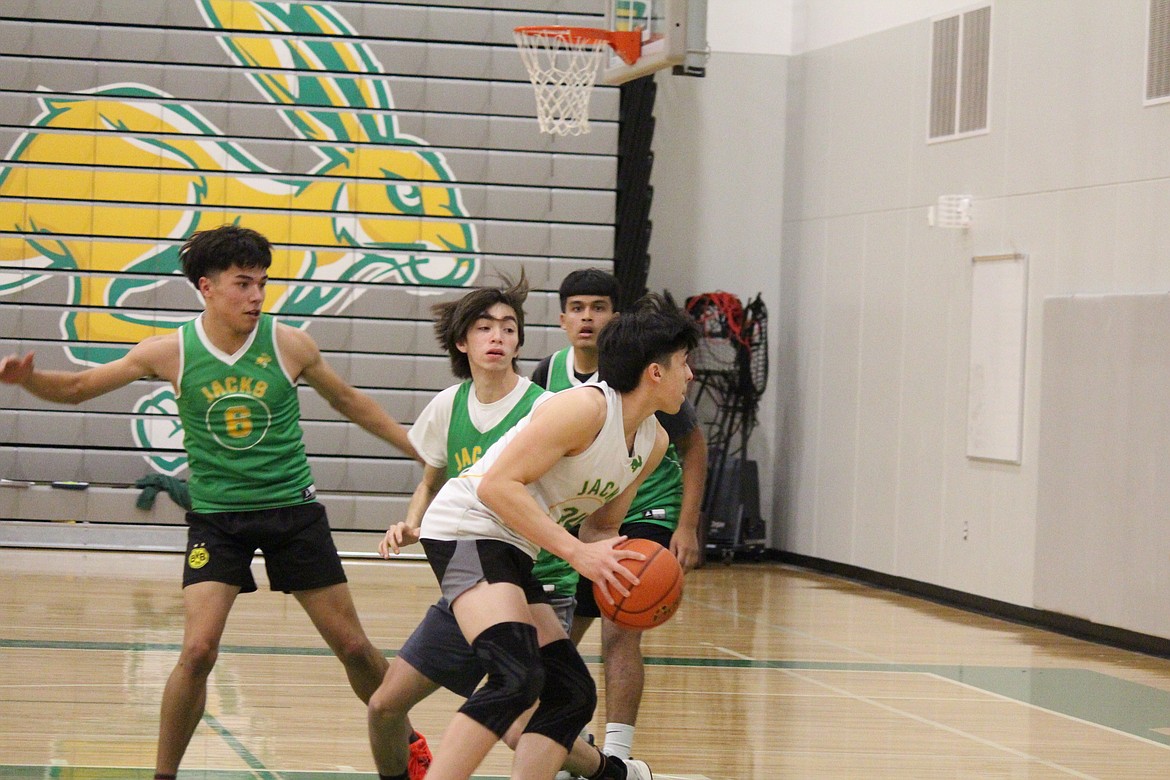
<point x="663" y="24"/>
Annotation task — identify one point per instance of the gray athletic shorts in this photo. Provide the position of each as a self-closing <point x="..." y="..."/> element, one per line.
<point x="439" y="651"/>
<point x="460" y="564"/>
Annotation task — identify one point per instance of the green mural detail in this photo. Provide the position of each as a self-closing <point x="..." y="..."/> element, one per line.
<point x="330" y="90"/>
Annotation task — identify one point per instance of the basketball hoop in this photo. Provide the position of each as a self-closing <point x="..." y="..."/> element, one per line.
<point x="562" y="65"/>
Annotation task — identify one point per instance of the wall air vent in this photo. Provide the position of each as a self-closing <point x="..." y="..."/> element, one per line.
<point x="960" y="65"/>
<point x="1158" y="53"/>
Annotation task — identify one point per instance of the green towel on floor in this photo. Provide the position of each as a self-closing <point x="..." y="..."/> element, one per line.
<point x="151" y="484"/>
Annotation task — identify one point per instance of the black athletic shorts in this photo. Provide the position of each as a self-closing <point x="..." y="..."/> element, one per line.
<point x="586" y="605"/>
<point x="460" y="564"/>
<point x="298" y="548"/>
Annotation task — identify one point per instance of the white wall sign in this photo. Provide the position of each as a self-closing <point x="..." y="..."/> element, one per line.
<point x="995" y="389"/>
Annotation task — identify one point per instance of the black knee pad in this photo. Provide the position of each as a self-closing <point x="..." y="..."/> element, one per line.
<point x="569" y="695"/>
<point x="511" y="656"/>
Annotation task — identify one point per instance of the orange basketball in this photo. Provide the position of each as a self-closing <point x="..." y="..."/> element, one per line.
<point x="655" y="598"/>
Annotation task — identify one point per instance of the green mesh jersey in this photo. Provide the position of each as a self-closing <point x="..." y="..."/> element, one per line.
<point x="551" y="570"/>
<point x="241" y="424"/>
<point x="560" y="371"/>
<point x="659" y="499"/>
<point x="465" y="442"/>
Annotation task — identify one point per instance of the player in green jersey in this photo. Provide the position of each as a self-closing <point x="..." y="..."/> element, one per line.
<point x="665" y="510"/>
<point x="234" y="371"/>
<point x="482" y="333"/>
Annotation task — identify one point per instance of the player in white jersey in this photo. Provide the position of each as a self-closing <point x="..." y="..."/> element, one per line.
<point x="575" y="461"/>
<point x="482" y="333"/>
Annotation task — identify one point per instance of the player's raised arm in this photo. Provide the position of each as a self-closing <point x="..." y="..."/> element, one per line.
<point x="305" y="360"/>
<point x="157" y="356"/>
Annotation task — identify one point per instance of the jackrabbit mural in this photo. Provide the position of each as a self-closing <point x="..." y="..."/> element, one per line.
<point x="110" y="181"/>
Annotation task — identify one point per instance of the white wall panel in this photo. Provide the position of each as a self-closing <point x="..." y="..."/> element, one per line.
<point x="921" y="434"/>
<point x="1072" y="173"/>
<point x="838" y="447"/>
<point x="800" y="530"/>
<point x="871" y="121"/>
<point x="881" y="331"/>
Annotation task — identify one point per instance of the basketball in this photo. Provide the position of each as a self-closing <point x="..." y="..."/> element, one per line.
<point x="655" y="598"/>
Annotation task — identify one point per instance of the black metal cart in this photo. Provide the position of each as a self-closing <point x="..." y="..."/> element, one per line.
<point x="731" y="372"/>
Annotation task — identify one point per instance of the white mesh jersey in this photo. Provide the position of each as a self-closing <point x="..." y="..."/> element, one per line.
<point x="431" y="428"/>
<point x="570" y="491"/>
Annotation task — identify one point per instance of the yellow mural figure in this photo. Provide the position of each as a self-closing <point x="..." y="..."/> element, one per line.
<point x="112" y="181"/>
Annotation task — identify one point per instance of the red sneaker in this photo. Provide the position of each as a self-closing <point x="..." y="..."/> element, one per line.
<point x="420" y="758"/>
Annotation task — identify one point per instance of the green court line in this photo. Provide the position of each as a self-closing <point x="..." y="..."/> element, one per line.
<point x="241" y="751"/>
<point x="1094" y="697"/>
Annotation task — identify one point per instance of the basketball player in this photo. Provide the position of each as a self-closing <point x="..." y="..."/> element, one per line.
<point x="482" y="333"/>
<point x="557" y="469"/>
<point x="666" y="509"/>
<point x="588" y="302"/>
<point x="234" y="371"/>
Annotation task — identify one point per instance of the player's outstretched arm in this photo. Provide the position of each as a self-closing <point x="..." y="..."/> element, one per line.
<point x="157" y="356"/>
<point x="406" y="531"/>
<point x="305" y="360"/>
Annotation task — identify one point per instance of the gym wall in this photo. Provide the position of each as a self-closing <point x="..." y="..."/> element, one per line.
<point x="388" y="149"/>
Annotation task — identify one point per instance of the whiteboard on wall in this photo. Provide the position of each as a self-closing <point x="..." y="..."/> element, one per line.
<point x="995" y="380"/>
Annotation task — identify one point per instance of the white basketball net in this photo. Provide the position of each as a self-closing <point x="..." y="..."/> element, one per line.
<point x="563" y="70"/>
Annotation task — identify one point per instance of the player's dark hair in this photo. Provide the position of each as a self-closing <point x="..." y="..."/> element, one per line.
<point x="210" y="252"/>
<point x="649" y="332"/>
<point x="589" y="281"/>
<point x="454" y="319"/>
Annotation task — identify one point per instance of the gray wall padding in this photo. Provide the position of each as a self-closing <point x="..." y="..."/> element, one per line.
<point x="1103" y="515"/>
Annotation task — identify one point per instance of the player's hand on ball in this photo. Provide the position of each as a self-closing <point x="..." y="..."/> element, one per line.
<point x="601" y="562"/>
<point x="656" y="596"/>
